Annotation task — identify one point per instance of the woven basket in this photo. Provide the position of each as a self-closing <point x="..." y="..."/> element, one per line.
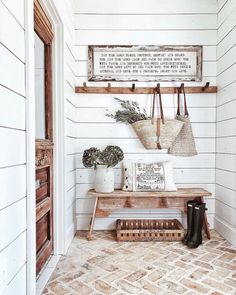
<point x="138" y="230"/>
<point x="147" y="133"/>
<point x="184" y="144"/>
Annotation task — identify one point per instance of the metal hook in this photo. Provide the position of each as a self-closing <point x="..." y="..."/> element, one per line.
<point x="206" y="86"/>
<point x="133" y="87"/>
<point x="84" y="84"/>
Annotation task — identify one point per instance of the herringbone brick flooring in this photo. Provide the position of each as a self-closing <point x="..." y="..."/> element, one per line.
<point x="103" y="266"/>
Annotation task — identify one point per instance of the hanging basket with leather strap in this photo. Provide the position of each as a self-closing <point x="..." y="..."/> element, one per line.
<point x="184" y="144"/>
<point x="157" y="133"/>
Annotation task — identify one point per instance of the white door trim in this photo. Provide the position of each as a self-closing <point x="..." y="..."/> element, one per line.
<point x="30" y="149"/>
<point x="59" y="227"/>
<point x="59" y="191"/>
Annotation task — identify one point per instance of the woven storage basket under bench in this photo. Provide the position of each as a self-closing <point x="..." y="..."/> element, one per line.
<point x="149" y="230"/>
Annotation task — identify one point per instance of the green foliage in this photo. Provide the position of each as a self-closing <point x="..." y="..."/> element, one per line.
<point x="110" y="156"/>
<point x="130" y="112"/>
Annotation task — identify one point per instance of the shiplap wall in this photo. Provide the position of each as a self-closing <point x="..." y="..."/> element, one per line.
<point x="67" y="10"/>
<point x="133" y="22"/>
<point x="13" y="139"/>
<point x="12" y="149"/>
<point x="225" y="219"/>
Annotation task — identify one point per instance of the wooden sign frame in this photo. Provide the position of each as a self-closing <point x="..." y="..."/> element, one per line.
<point x="145" y="63"/>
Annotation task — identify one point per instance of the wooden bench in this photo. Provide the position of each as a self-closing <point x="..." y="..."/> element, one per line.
<point x="105" y="204"/>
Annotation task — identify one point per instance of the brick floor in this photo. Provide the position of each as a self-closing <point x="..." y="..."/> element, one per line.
<point x="103" y="266"/>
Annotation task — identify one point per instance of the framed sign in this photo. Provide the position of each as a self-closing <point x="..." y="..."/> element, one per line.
<point x="145" y="63"/>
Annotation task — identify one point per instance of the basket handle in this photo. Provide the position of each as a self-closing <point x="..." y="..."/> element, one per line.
<point x="158" y="132"/>
<point x="156" y="91"/>
<point x="181" y="89"/>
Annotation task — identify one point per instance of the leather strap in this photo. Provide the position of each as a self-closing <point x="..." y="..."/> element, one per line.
<point x="155" y="92"/>
<point x="178" y="102"/>
<point x="160" y="103"/>
<point x="153" y="105"/>
<point x="158" y="132"/>
<point x="181" y="89"/>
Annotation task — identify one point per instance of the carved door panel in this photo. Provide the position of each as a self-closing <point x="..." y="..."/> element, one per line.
<point x="44" y="138"/>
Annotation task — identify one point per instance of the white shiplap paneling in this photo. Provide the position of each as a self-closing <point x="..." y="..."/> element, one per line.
<point x="16" y="9"/>
<point x="225" y="221"/>
<point x="153" y="7"/>
<point x="10" y="27"/>
<point x="12" y="260"/>
<point x="98" y="115"/>
<point x="134" y="23"/>
<point x="12" y="185"/>
<point x="13" y="77"/>
<point x="142" y="23"/>
<point x="14" y="218"/>
<point x="12" y="149"/>
<point x="129" y="37"/>
<point x="13" y="113"/>
<point x="70" y="110"/>
<point x="18" y="284"/>
<point x="204" y="145"/>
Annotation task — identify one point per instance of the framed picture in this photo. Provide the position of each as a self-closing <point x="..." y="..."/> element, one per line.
<point x="145" y="63"/>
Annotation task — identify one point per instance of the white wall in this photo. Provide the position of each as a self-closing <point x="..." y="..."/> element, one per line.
<point x="12" y="148"/>
<point x="13" y="138"/>
<point x="66" y="9"/>
<point x="225" y="219"/>
<point x="158" y="23"/>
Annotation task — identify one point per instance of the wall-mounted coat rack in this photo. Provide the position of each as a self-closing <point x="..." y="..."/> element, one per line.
<point x="144" y="90"/>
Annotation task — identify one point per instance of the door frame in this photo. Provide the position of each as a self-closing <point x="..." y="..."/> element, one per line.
<point x="58" y="136"/>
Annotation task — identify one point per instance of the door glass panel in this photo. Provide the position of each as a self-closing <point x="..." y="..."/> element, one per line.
<point x="40" y="121"/>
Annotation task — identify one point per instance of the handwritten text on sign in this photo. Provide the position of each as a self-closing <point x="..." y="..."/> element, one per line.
<point x="145" y="65"/>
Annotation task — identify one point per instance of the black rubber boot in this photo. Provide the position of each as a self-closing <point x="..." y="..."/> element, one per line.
<point x="198" y="217"/>
<point x="190" y="207"/>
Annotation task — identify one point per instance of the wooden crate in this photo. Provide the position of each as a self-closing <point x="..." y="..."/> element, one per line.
<point x="145" y="230"/>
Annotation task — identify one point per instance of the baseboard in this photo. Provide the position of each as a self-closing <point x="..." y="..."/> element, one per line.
<point x="70" y="233"/>
<point x="226" y="230"/>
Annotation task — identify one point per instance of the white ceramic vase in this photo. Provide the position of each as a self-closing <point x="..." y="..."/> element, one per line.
<point x="104" y="179"/>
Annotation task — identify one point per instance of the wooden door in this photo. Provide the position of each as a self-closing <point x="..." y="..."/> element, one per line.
<point x="44" y="136"/>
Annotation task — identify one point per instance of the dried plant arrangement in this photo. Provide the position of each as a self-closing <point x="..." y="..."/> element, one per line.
<point x="110" y="156"/>
<point x="91" y="157"/>
<point x="130" y="112"/>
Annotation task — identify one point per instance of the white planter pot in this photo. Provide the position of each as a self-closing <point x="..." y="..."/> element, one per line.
<point x="104" y="179"/>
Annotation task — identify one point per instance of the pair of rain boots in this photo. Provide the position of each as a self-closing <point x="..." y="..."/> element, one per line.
<point x="195" y="218"/>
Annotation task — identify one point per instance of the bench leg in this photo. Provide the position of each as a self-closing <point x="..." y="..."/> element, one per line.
<point x="205" y="223"/>
<point x="90" y="233"/>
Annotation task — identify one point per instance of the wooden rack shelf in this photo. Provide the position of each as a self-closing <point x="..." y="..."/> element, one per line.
<point x="143" y="90"/>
